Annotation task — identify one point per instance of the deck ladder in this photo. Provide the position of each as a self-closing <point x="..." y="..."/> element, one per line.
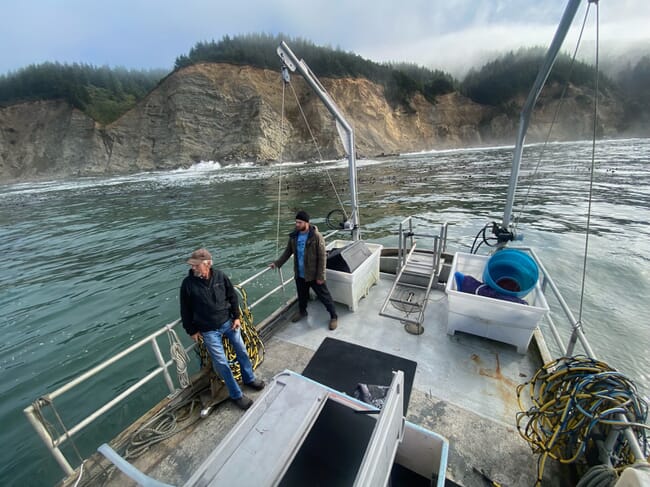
<point x="417" y="271"/>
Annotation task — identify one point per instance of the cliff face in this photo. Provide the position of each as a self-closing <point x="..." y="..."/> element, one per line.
<point x="231" y="113"/>
<point x="43" y="138"/>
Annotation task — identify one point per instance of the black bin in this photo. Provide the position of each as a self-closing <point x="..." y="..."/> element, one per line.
<point x="348" y="258"/>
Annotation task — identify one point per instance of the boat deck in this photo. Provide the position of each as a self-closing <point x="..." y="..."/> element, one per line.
<point x="464" y="386"/>
<point x="464" y="389"/>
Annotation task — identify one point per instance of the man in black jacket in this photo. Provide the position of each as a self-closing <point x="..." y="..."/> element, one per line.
<point x="209" y="308"/>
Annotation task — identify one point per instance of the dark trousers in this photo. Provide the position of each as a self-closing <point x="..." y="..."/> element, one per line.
<point x="321" y="291"/>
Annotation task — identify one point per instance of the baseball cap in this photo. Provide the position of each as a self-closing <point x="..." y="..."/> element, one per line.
<point x="199" y="256"/>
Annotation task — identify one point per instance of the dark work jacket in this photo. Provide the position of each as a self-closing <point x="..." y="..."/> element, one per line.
<point x="207" y="303"/>
<point x="315" y="254"/>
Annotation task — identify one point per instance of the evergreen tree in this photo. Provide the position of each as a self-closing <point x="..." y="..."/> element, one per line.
<point x="102" y="92"/>
<point x="401" y="81"/>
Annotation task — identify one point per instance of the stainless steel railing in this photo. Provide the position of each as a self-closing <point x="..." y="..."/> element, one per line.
<point x="576" y="329"/>
<point x="53" y="441"/>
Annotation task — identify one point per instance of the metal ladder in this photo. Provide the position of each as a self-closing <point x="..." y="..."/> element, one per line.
<point x="417" y="270"/>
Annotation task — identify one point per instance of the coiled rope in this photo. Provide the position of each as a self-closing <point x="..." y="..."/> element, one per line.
<point x="162" y="426"/>
<point x="180" y="358"/>
<point x="250" y="335"/>
<point x="576" y="401"/>
<point x="599" y="476"/>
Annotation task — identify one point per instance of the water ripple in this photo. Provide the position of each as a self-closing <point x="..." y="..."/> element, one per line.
<point x="92" y="264"/>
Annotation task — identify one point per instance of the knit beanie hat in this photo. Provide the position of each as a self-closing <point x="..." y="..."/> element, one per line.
<point x="303" y="216"/>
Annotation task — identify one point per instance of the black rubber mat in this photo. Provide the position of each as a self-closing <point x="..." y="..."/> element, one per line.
<point x="342" y="366"/>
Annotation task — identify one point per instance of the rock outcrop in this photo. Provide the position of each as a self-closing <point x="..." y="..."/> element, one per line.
<point x="230" y="113"/>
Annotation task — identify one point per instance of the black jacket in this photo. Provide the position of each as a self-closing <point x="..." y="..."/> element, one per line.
<point x="207" y="304"/>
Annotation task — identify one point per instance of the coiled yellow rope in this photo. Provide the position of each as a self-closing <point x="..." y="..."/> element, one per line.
<point x="252" y="340"/>
<point x="574" y="399"/>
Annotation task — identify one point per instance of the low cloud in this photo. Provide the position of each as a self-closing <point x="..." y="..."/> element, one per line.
<point x="458" y="52"/>
<point x="455" y="35"/>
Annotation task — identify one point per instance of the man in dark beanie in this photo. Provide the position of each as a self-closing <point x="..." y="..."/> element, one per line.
<point x="308" y="248"/>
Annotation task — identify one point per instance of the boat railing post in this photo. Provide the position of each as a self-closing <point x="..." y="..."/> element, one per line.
<point x="443" y="239"/>
<point x="556" y="335"/>
<point x="281" y="280"/>
<point x="400" y="250"/>
<point x="631" y="438"/>
<point x="436" y="254"/>
<point x="606" y="446"/>
<point x="163" y="366"/>
<point x="48" y="440"/>
<point x="576" y="326"/>
<point x="573" y="339"/>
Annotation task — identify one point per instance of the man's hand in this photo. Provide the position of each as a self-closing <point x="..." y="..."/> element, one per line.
<point x="319" y="282"/>
<point x="236" y="324"/>
<point x="196" y="336"/>
<point x="272" y="265"/>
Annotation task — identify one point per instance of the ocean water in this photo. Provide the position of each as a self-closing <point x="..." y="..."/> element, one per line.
<point x="92" y="265"/>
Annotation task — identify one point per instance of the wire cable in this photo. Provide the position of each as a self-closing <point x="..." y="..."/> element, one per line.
<point x="320" y="155"/>
<point x="484" y="239"/>
<point x="555" y="117"/>
<point x="277" y="229"/>
<point x="81" y="472"/>
<point x="592" y="172"/>
<point x="576" y="401"/>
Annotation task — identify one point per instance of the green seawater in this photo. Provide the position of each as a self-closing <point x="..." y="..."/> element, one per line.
<point x="92" y="265"/>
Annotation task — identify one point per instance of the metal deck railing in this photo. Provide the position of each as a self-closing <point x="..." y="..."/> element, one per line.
<point x="575" y="326"/>
<point x="54" y="441"/>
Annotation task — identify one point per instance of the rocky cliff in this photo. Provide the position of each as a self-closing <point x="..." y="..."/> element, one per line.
<point x="232" y="113"/>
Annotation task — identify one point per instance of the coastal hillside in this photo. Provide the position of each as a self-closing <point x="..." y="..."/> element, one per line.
<point x="230" y="113"/>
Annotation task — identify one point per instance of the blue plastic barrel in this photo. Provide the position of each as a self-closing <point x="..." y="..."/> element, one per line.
<point x="511" y="272"/>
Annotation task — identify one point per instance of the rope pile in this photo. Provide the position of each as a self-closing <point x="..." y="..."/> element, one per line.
<point x="162" y="426"/>
<point x="576" y="402"/>
<point x="252" y="340"/>
<point x="178" y="354"/>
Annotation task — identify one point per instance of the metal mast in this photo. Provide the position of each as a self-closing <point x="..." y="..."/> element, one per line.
<point x="524" y="118"/>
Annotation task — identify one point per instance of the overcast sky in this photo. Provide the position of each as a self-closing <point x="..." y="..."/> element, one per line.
<point x="452" y="35"/>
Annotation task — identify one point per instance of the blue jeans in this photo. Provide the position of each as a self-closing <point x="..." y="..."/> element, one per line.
<point x="214" y="345"/>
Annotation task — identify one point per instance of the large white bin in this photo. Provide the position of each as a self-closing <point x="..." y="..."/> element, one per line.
<point x="349" y="288"/>
<point x="499" y="320"/>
